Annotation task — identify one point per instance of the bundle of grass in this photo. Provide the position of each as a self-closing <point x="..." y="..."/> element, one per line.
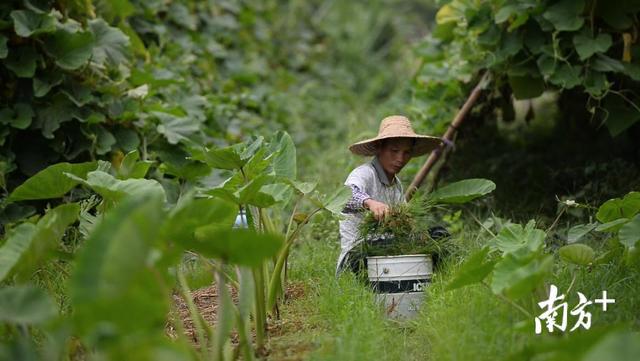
<point x="407" y="229"/>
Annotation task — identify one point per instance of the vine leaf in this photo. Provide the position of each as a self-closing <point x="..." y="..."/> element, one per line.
<point x="586" y="45"/>
<point x="28" y="23"/>
<point x="111" y="44"/>
<point x="566" y="15"/>
<point x="70" y="47"/>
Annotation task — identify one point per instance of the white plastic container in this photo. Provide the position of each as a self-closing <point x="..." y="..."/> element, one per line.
<point x="400" y="281"/>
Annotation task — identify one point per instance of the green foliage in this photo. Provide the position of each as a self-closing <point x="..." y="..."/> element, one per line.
<point x="16" y="243"/>
<point x="25" y="305"/>
<point x="113" y="77"/>
<point x="51" y="182"/>
<point x="231" y="245"/>
<point x="29" y="246"/>
<point x="112" y="189"/>
<point x="462" y="191"/>
<point x="113" y="285"/>
<point x="578" y="231"/>
<point x="617" y="208"/>
<point x="630" y="233"/>
<point x="584" y="49"/>
<point x="122" y="275"/>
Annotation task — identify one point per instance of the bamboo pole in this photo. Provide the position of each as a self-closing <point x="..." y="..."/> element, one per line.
<point x="448" y="136"/>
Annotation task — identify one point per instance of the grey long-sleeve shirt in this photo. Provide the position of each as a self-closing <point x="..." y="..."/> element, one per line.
<point x="367" y="181"/>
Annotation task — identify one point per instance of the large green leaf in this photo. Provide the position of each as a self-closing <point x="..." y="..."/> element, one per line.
<point x="616" y="208"/>
<point x="335" y="202"/>
<point x="281" y="193"/>
<point x="566" y="15"/>
<point x="222" y="158"/>
<point x="473" y="270"/>
<point x="25" y="305"/>
<point x="16" y="243"/>
<point x="114" y="287"/>
<point x="513" y="237"/>
<point x="51" y="182"/>
<point x="629" y="234"/>
<point x="113" y="189"/>
<point x="462" y="191"/>
<point x="191" y="214"/>
<point x="28" y="23"/>
<point x="613" y="226"/>
<point x="284" y="160"/>
<point x="237" y="246"/>
<point x="516" y="275"/>
<point x="252" y="194"/>
<point x="111" y="44"/>
<point x="587" y="45"/>
<point x="578" y="231"/>
<point x="579" y="254"/>
<point x="38" y="244"/>
<point x="71" y="48"/>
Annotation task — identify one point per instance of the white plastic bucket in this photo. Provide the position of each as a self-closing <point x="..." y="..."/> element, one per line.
<point x="400" y="281"/>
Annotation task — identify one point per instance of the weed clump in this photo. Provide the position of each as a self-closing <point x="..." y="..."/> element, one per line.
<point x="408" y="228"/>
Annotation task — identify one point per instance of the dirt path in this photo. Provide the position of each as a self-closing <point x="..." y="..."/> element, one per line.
<point x="281" y="344"/>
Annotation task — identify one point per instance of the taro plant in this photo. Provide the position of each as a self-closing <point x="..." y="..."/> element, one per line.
<point x="128" y="263"/>
<point x="262" y="182"/>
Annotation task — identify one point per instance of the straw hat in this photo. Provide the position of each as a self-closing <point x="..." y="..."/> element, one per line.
<point x="396" y="126"/>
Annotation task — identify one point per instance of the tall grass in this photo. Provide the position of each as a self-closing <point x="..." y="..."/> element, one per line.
<point x="340" y="319"/>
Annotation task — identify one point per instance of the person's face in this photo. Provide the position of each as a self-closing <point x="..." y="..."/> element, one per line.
<point x="395" y="154"/>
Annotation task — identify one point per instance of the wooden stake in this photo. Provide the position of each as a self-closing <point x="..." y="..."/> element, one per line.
<point x="448" y="136"/>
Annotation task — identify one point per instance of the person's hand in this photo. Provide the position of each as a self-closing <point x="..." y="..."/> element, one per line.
<point x="378" y="209"/>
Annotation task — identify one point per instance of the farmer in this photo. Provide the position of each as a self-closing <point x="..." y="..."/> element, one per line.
<point x="375" y="185"/>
